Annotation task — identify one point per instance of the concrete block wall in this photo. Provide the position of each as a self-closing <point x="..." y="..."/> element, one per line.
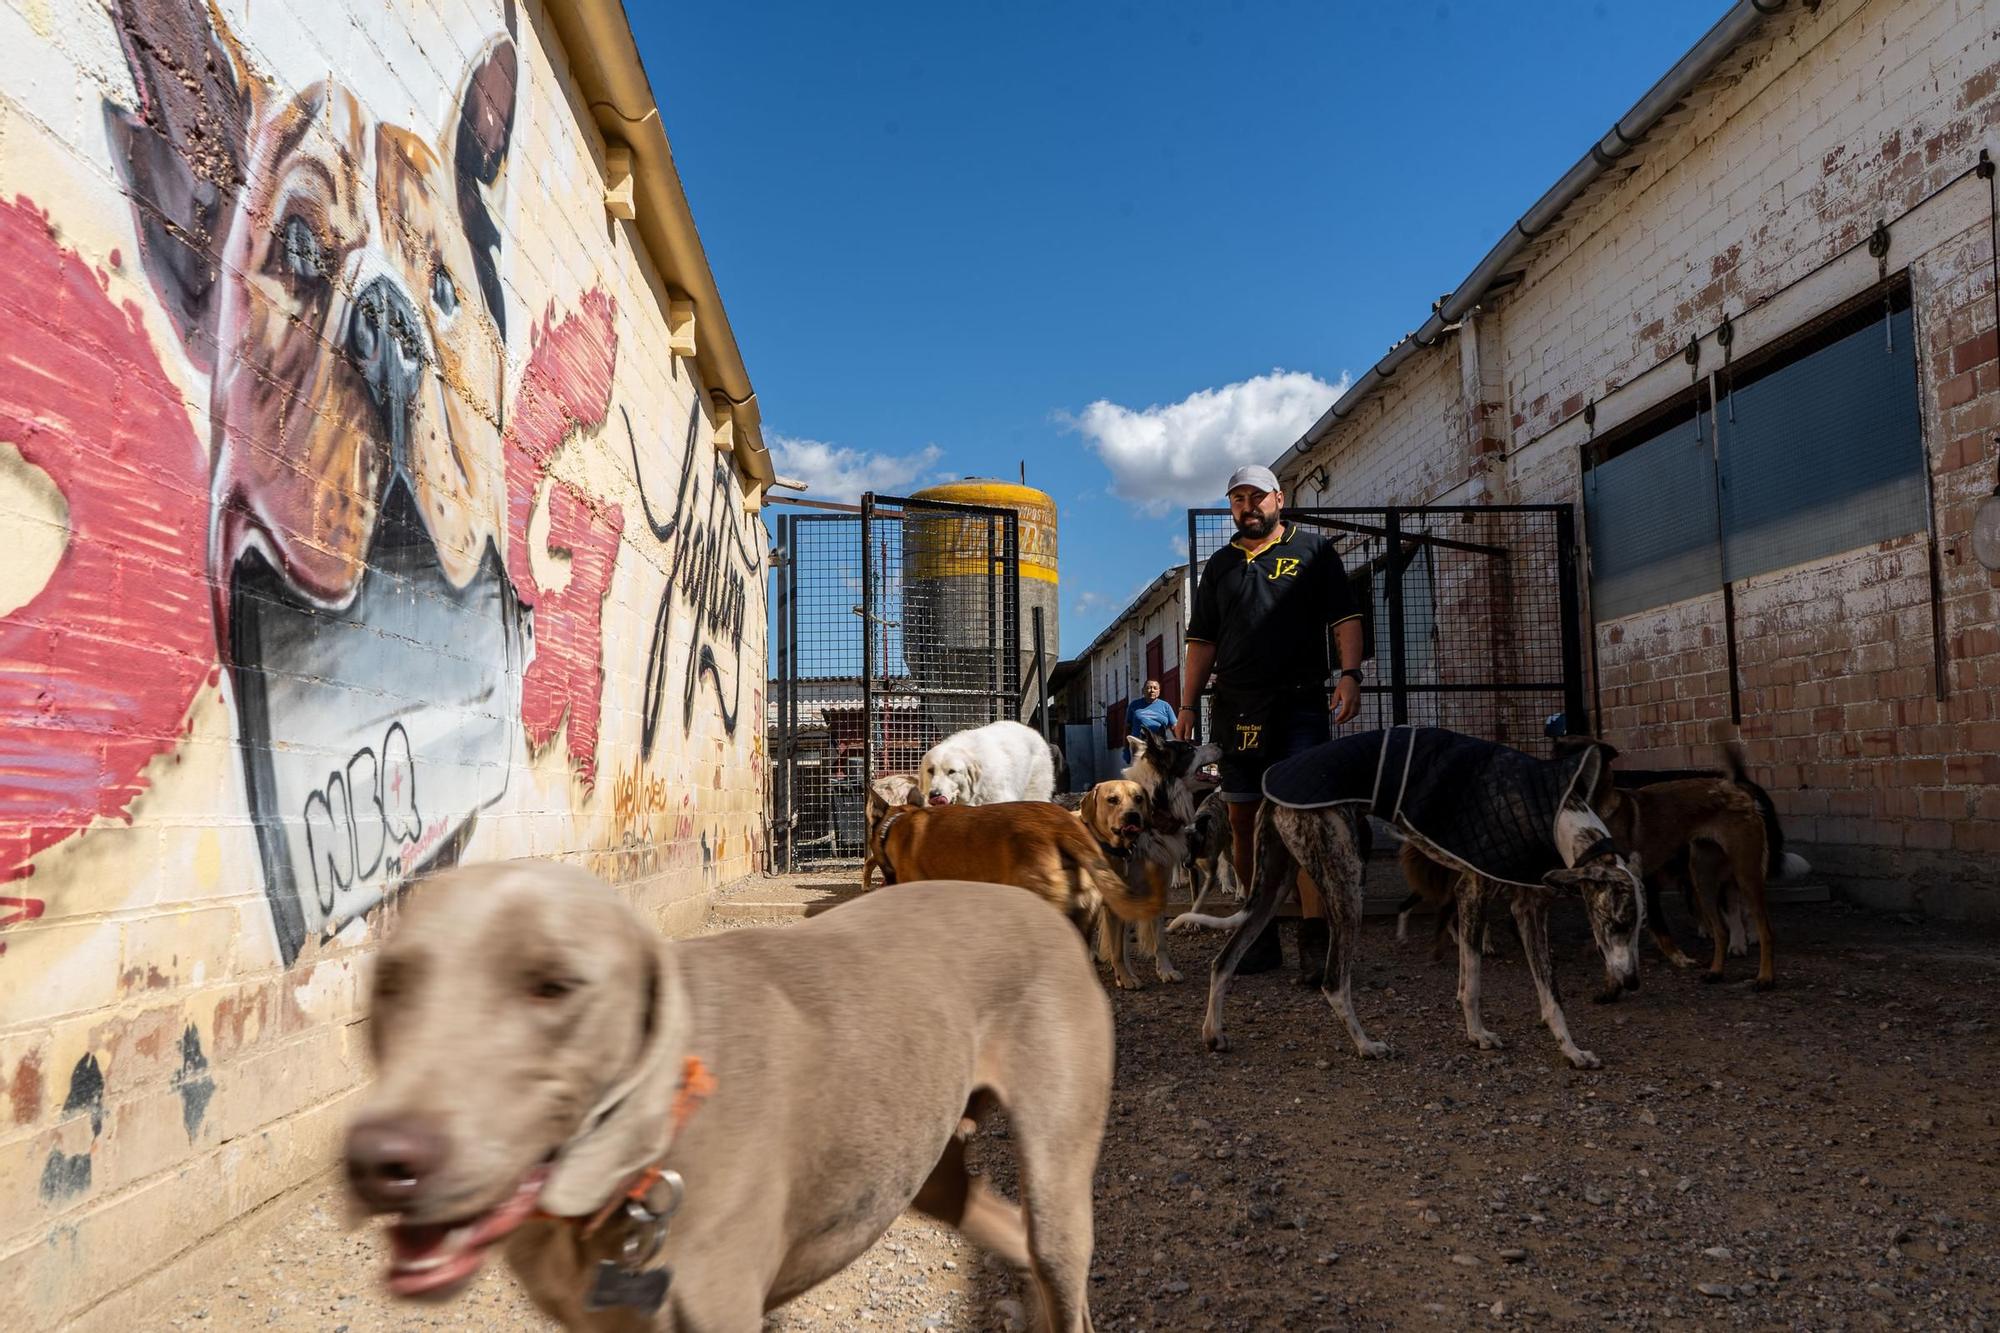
<point x="1754" y="205"/>
<point x="275" y="635"/>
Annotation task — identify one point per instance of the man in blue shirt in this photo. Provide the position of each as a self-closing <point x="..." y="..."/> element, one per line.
<point x="1148" y="713"/>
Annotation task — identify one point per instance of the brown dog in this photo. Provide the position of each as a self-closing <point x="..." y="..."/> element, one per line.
<point x="1035" y="845"/>
<point x="885" y="793"/>
<point x="685" y="1135"/>
<point x="1436" y="886"/>
<point x="1716" y="838"/>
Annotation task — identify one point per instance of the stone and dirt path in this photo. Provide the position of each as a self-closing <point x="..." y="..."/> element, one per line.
<point x="1822" y="1156"/>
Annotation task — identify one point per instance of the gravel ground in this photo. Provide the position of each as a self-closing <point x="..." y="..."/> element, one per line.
<point x="1822" y="1156"/>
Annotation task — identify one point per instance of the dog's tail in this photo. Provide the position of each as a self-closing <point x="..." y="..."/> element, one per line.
<point x="1201" y="921"/>
<point x="1088" y="872"/>
<point x="1774" y="833"/>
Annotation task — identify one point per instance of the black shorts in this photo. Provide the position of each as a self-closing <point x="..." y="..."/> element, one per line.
<point x="1256" y="731"/>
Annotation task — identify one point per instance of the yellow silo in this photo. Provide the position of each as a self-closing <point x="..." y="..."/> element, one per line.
<point x="952" y="627"/>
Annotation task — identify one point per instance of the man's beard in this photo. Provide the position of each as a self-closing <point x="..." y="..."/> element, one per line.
<point x="1255" y="526"/>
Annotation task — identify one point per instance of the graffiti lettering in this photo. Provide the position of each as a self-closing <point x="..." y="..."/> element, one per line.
<point x="712" y="565"/>
<point x="634" y="796"/>
<point x="363" y="811"/>
<point x="567" y="385"/>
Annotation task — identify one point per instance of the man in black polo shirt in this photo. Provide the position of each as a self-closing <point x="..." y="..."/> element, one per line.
<point x="1259" y="623"/>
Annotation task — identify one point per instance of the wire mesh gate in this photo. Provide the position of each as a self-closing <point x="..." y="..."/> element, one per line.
<point x="896" y="622"/>
<point x="1469" y="613"/>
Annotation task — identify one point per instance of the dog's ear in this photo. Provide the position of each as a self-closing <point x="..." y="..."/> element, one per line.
<point x="1088" y="810"/>
<point x="181" y="153"/>
<point x="1586" y="775"/>
<point x="631" y="1127"/>
<point x="972" y="774"/>
<point x="479" y="151"/>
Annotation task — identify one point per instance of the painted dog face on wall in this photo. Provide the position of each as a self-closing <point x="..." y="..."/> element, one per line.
<point x="338" y="277"/>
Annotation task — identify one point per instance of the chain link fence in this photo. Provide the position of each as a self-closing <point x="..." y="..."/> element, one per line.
<point x="896" y="622"/>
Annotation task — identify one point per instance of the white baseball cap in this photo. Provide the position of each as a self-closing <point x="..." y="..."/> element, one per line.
<point x="1253" y="474"/>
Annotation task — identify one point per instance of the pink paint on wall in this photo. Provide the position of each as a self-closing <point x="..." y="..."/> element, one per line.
<point x="97" y="669"/>
<point x="566" y="387"/>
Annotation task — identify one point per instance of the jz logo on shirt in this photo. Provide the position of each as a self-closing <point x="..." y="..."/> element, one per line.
<point x="1287" y="567"/>
<point x="1248" y="735"/>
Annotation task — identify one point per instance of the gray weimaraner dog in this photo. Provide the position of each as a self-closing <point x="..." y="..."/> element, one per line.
<point x="685" y="1135"/>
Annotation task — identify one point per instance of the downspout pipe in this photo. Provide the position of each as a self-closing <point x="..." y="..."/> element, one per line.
<point x="1743" y="18"/>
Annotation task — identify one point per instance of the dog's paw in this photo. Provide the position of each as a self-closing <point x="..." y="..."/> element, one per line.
<point x="1372" y="1050"/>
<point x="1486" y="1041"/>
<point x="1128" y="982"/>
<point x="1170" y="973"/>
<point x="1739" y="948"/>
<point x="1680" y="960"/>
<point x="1764" y="983"/>
<point x="1582" y="1059"/>
<point x="1214" y="1038"/>
<point x="1711" y="978"/>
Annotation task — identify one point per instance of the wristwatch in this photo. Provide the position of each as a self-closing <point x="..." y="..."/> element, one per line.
<point x="1354" y="672"/>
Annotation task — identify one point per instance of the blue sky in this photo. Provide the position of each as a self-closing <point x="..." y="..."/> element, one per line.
<point x="1122" y="243"/>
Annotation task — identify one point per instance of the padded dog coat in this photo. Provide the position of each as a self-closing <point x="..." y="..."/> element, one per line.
<point x="1487" y="805"/>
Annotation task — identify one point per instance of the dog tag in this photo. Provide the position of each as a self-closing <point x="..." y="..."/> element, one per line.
<point x="619" y="1288"/>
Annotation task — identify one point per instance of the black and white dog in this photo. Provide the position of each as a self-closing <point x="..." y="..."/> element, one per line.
<point x="1505" y="820"/>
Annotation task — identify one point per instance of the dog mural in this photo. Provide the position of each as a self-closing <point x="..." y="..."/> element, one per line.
<point x="338" y="277"/>
<point x="343" y="529"/>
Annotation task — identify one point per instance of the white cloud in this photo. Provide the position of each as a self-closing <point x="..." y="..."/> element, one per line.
<point x="1086" y="602"/>
<point x="1179" y="454"/>
<point x="1179" y="545"/>
<point x="835" y="472"/>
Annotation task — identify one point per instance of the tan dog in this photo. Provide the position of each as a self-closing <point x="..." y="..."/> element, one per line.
<point x="1119" y="815"/>
<point x="885" y="793"/>
<point x="1116" y="813"/>
<point x="1035" y="845"/>
<point x="552" y="1074"/>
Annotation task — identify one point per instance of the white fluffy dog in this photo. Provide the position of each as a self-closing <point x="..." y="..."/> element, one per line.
<point x="1001" y="761"/>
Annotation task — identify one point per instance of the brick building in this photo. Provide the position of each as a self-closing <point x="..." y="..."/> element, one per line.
<point x="1751" y="336"/>
<point x="378" y="488"/>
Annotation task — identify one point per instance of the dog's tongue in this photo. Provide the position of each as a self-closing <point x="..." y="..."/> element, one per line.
<point x="435" y="1258"/>
<point x="940" y="800"/>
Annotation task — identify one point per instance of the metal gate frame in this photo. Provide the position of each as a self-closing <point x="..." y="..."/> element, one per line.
<point x="1405" y="532"/>
<point x="884" y="624"/>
